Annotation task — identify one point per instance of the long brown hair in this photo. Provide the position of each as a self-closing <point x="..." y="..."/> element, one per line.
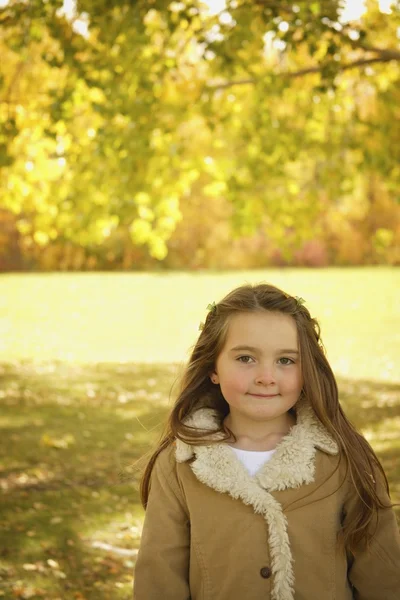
<point x="319" y="389"/>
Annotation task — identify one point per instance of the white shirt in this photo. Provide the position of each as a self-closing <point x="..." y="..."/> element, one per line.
<point x="251" y="459"/>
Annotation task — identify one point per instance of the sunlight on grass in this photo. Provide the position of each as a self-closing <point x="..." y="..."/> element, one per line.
<point x="385" y="435"/>
<point x="143" y="317"/>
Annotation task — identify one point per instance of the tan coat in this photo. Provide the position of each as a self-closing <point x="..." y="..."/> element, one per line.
<point x="213" y="532"/>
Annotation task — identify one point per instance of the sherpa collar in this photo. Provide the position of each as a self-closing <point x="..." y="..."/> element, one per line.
<point x="292" y="465"/>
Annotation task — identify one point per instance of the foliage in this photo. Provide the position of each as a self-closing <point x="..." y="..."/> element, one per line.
<point x="111" y="118"/>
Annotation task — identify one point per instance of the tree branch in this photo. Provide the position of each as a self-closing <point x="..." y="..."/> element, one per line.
<point x="384" y="52"/>
<point x="384" y="56"/>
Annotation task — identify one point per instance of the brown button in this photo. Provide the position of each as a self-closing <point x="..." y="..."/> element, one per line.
<point x="265" y="572"/>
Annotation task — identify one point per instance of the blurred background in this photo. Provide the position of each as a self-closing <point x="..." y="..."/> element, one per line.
<point x="154" y="155"/>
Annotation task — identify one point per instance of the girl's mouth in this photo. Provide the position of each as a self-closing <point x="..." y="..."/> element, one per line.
<point x="264" y="395"/>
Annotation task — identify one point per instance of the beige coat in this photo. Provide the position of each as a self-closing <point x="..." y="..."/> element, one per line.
<point x="213" y="532"/>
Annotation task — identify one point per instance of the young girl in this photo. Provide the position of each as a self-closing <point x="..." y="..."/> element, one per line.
<point x="261" y="488"/>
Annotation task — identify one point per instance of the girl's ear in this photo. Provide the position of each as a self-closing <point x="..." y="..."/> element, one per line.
<point x="214" y="378"/>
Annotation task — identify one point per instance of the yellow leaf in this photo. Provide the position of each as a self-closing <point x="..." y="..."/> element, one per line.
<point x="41" y="238"/>
<point x="61" y="443"/>
<point x="140" y="231"/>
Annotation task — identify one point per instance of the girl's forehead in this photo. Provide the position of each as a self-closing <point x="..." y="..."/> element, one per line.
<point x="261" y="327"/>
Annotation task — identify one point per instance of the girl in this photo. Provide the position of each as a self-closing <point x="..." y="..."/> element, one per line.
<point x="261" y="488"/>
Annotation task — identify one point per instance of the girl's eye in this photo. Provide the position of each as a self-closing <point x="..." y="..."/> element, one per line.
<point x="288" y="361"/>
<point x="245" y="359"/>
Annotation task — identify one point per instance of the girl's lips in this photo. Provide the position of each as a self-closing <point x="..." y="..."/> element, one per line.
<point x="265" y="395"/>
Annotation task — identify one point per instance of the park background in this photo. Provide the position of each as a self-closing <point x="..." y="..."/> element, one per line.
<point x="154" y="155"/>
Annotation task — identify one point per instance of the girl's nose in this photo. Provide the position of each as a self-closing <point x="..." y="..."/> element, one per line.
<point x="265" y="376"/>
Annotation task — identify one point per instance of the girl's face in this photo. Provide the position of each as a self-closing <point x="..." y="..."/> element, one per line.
<point x="258" y="368"/>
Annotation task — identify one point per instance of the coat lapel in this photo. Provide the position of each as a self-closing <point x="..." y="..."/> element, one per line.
<point x="292" y="465"/>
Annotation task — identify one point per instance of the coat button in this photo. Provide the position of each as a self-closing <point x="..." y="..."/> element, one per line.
<point x="265" y="572"/>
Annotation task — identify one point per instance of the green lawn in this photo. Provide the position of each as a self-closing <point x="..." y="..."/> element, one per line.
<point x="114" y="317"/>
<point x="88" y="365"/>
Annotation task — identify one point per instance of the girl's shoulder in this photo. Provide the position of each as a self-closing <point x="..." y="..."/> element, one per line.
<point x="166" y="460"/>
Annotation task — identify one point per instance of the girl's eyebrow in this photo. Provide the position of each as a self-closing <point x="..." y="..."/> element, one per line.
<point x="241" y="348"/>
<point x="253" y="349"/>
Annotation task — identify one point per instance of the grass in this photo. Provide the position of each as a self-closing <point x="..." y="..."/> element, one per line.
<point x="153" y="318"/>
<point x="82" y="401"/>
<point x="72" y="439"/>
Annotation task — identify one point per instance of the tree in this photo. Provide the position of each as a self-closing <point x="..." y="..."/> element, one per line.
<point x="110" y="115"/>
